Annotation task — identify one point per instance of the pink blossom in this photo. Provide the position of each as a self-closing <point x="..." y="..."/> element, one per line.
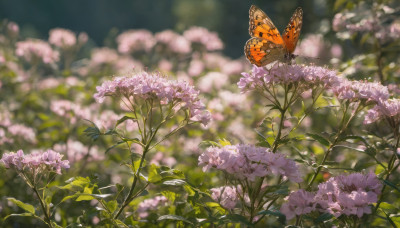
<point x="62" y="38"/>
<point x="32" y="48"/>
<point x="150" y="204"/>
<point x="305" y="77"/>
<point x="299" y="203"/>
<point x="384" y="109"/>
<point x="209" y="40"/>
<point x="360" y="90"/>
<point x="145" y="86"/>
<point x="35" y="162"/>
<point x="247" y="161"/>
<point x="350" y="195"/>
<point x="135" y="40"/>
<point x="227" y="196"/>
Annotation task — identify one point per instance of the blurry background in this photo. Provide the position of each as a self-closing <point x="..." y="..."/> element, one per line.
<point x="103" y="19"/>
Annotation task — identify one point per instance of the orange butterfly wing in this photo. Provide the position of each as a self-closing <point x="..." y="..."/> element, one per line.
<point x="267" y="44"/>
<point x="261" y="26"/>
<point x="292" y="31"/>
<point x="261" y="51"/>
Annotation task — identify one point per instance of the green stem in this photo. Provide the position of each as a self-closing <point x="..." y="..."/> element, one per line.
<point x="391" y="168"/>
<point x="338" y="135"/>
<point x="45" y="212"/>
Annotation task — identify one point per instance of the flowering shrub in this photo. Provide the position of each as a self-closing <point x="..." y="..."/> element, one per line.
<point x="163" y="130"/>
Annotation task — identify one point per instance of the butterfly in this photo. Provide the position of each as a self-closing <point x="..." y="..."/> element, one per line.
<point x="267" y="45"/>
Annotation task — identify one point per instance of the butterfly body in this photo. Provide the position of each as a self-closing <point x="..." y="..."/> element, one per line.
<point x="267" y="45"/>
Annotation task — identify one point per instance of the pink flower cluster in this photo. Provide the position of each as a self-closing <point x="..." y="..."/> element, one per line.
<point x="32" y="48"/>
<point x="306" y="76"/>
<point x="174" y="41"/>
<point x="35" y="162"/>
<point x="62" y="38"/>
<point x="145" y="85"/>
<point x="250" y="162"/>
<point x="227" y="196"/>
<point x="134" y="40"/>
<point x="342" y="195"/>
<point x="210" y="40"/>
<point x="299" y="203"/>
<point x="360" y="90"/>
<point x="389" y="108"/>
<point x="150" y="204"/>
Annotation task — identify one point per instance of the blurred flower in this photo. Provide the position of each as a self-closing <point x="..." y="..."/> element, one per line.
<point x="299" y="203"/>
<point x="212" y="80"/>
<point x="35" y="162"/>
<point x="103" y="55"/>
<point x="31" y="49"/>
<point x="160" y="158"/>
<point x="226" y="196"/>
<point x="24" y="132"/>
<point x="339" y="22"/>
<point x="232" y="67"/>
<point x="394" y="30"/>
<point x="62" y="38"/>
<point x="249" y="162"/>
<point x="311" y="46"/>
<point x="48" y="83"/>
<point x="76" y="151"/>
<point x="196" y="67"/>
<point x="135" y="40"/>
<point x="209" y="40"/>
<point x="154" y="86"/>
<point x="69" y="110"/>
<point x="174" y="41"/>
<point x="165" y="65"/>
<point x="12" y="29"/>
<point x="83" y="38"/>
<point x="150" y="204"/>
<point x="336" y="51"/>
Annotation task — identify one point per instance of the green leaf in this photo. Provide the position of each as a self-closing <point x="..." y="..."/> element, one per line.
<point x="27" y="207"/>
<point x="237" y="218"/>
<point x="123" y="119"/>
<point x="16" y="215"/>
<point x="281" y="217"/>
<point x="175" y="182"/>
<point x="120" y="223"/>
<point x="174" y="217"/>
<point x="390" y="184"/>
<point x="93" y="132"/>
<point x="113" y="146"/>
<point x="154" y="176"/>
<point x="323" y="217"/>
<point x="76" y="182"/>
<point x="338" y="4"/>
<point x="112" y="205"/>
<point x="319" y="138"/>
